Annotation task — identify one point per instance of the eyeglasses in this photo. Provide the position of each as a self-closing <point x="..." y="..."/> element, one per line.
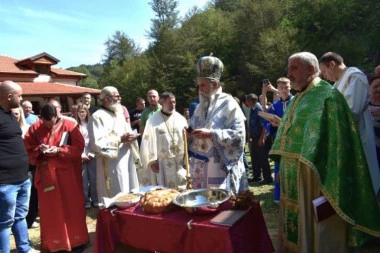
<point x="116" y="96"/>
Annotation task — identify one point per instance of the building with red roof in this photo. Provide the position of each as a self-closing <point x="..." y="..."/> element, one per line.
<point x="41" y="82"/>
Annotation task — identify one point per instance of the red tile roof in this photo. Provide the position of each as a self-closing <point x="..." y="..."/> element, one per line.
<point x="30" y="88"/>
<point x="11" y="67"/>
<point x="63" y="72"/>
<point x="7" y="65"/>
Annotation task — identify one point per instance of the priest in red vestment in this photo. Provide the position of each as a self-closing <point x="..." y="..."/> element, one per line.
<point x="55" y="146"/>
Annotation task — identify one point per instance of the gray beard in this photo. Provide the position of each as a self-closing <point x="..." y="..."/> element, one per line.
<point x="205" y="102"/>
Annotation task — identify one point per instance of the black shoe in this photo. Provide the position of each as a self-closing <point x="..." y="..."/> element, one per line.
<point x="254" y="180"/>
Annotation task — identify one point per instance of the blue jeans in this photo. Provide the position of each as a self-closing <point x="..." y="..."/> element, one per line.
<point x="14" y="205"/>
<point x="89" y="181"/>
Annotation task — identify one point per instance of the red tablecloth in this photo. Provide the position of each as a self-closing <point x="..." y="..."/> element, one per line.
<point x="169" y="233"/>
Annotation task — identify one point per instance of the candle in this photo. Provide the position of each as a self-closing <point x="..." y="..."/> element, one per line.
<point x="186" y="158"/>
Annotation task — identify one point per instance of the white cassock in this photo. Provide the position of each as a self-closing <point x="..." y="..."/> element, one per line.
<point x="115" y="163"/>
<point x="163" y="142"/>
<point x="354" y="87"/>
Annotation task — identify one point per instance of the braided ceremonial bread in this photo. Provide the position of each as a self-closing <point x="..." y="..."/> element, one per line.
<point x="159" y="200"/>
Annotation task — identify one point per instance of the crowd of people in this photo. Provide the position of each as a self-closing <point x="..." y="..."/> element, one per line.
<point x="325" y="141"/>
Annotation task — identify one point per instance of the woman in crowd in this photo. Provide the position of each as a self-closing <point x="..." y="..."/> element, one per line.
<point x="88" y="159"/>
<point x="19" y="114"/>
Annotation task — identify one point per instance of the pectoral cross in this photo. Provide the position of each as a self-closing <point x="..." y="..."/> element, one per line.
<point x="173" y="147"/>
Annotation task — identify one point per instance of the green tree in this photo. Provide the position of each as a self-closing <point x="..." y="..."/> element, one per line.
<point x="90" y="81"/>
<point x="166" y="18"/>
<point x="120" y="47"/>
<point x="120" y="51"/>
<point x="265" y="43"/>
<point x="161" y="52"/>
<point x="337" y="25"/>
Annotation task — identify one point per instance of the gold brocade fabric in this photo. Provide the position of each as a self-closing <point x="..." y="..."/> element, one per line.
<point x="319" y="132"/>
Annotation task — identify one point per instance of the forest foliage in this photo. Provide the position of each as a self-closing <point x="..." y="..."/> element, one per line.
<point x="253" y="38"/>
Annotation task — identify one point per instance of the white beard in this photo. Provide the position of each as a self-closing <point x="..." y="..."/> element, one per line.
<point x="116" y="108"/>
<point x="205" y="100"/>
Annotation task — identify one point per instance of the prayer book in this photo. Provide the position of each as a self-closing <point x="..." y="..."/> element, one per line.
<point x="270" y="117"/>
<point x="64" y="139"/>
<point x="228" y="217"/>
<point x="322" y="208"/>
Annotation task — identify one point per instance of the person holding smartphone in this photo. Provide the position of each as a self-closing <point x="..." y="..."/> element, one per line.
<point x="277" y="108"/>
<point x="54" y="146"/>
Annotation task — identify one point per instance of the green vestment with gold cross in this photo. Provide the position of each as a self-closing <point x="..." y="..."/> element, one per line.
<point x="318" y="134"/>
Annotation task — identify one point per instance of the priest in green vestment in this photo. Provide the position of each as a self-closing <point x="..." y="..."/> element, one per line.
<point x="320" y="154"/>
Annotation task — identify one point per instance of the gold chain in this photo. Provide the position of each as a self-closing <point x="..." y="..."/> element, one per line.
<point x="173" y="146"/>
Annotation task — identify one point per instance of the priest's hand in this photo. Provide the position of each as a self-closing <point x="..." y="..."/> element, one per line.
<point x="154" y="167"/>
<point x="129" y="137"/>
<point x="201" y="133"/>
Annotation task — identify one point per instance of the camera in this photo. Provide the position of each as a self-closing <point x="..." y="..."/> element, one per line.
<point x="266" y="80"/>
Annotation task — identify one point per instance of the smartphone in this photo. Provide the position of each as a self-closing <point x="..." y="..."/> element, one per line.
<point x="266" y="80"/>
<point x="48" y="150"/>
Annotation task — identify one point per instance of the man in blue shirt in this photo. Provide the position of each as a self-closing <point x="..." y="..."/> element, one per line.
<point x="278" y="108"/>
<point x="260" y="145"/>
<point x="30" y="118"/>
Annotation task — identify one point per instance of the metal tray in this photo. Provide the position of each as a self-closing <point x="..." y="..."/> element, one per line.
<point x="201" y="200"/>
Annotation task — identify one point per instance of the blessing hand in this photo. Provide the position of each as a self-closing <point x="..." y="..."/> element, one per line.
<point x="201" y="133"/>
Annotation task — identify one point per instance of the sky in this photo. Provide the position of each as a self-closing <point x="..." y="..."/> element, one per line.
<point x="74" y="31"/>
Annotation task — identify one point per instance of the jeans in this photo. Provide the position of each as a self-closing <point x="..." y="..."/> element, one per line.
<point x="89" y="181"/>
<point x="14" y="205"/>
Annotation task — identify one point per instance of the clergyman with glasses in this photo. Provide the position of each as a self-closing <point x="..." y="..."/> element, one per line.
<point x="115" y="146"/>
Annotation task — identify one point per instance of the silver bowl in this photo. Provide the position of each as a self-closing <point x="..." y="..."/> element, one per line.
<point x="201" y="200"/>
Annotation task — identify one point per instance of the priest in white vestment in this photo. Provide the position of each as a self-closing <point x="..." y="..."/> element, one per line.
<point x="114" y="142"/>
<point x="353" y="84"/>
<point x="162" y="147"/>
<point x="218" y="136"/>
